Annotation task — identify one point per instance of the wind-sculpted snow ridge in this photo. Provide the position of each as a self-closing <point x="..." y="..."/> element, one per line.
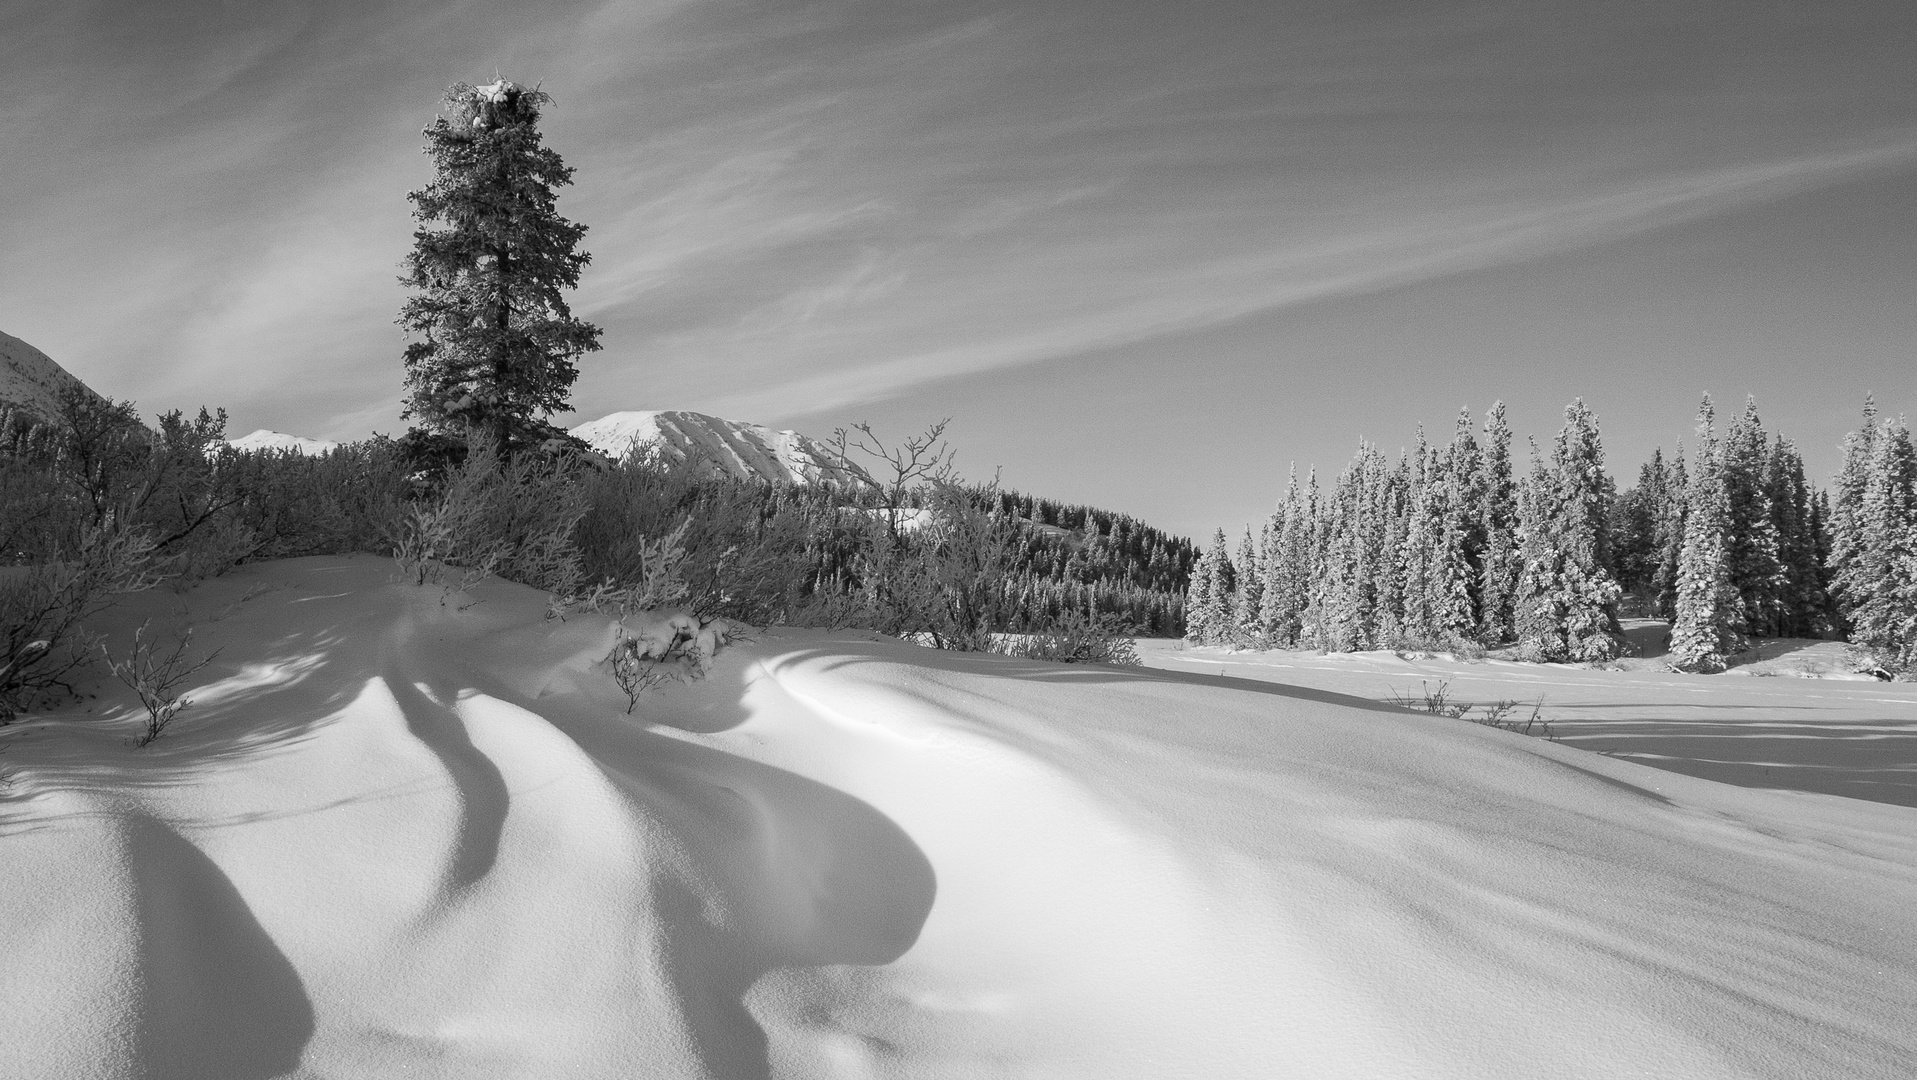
<point x="721" y="447"/>
<point x="29" y="378"/>
<point x="401" y="833"/>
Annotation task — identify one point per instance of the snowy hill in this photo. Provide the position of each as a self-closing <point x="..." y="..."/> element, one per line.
<point x="396" y="837"/>
<point x="30" y="379"/>
<point x="264" y="439"/>
<point x="723" y="447"/>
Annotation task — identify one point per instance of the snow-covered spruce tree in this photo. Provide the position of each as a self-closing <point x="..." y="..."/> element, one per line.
<point x="1247" y="604"/>
<point x="1287" y="592"/>
<point x="1422" y="530"/>
<point x="1710" y="620"/>
<point x="1751" y="544"/>
<point x="1340" y="594"/>
<point x="1465" y="496"/>
<point x="1497" y="517"/>
<point x="1804" y="602"/>
<point x="1567" y="601"/>
<point x="1200" y="611"/>
<point x="1449" y="598"/>
<point x="1270" y="559"/>
<point x="1880" y="580"/>
<point x="496" y="341"/>
<point x="1633" y="527"/>
<point x="1845" y="521"/>
<point x="1670" y="535"/>
<point x="1211" y="603"/>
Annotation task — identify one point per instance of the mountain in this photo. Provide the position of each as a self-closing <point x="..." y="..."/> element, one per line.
<point x="279" y="440"/>
<point x="30" y="380"/>
<point x="722" y="447"/>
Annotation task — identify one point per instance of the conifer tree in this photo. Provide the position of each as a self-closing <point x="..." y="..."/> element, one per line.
<point x="1287" y="592"/>
<point x="496" y="341"/>
<point x="1847" y="540"/>
<point x="1418" y="550"/>
<point x="1633" y="527"/>
<point x="1201" y="608"/>
<point x="1248" y="605"/>
<point x="1671" y="515"/>
<point x="1464" y="501"/>
<point x="1212" y="603"/>
<point x="1567" y="600"/>
<point x="1343" y="604"/>
<point x="1751" y="542"/>
<point x="1498" y="574"/>
<point x="1880" y="580"/>
<point x="1710" y="620"/>
<point x="1803" y="602"/>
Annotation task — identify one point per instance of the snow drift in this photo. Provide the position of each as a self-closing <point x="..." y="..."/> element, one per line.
<point x="406" y="833"/>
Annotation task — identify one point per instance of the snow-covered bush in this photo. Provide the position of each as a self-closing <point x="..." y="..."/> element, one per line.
<point x="656" y="647"/>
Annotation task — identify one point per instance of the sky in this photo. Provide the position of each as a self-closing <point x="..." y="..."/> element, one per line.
<point x="1143" y="255"/>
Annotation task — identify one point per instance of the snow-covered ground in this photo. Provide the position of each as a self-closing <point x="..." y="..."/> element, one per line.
<point x="1790" y="716"/>
<point x="400" y="837"/>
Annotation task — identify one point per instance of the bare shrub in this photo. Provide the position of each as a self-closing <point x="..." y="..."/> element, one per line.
<point x="508" y="516"/>
<point x="42" y="608"/>
<point x="154" y="674"/>
<point x="1504" y="714"/>
<point x="1075" y="638"/>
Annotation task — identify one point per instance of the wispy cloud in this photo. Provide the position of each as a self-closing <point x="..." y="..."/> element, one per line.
<point x="797" y="208"/>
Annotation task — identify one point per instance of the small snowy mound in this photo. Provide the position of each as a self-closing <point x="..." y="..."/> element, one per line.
<point x="264" y="439"/>
<point x="399" y="833"/>
<point x="721" y="447"/>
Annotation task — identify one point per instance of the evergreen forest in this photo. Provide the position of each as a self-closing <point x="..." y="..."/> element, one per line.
<point x="1459" y="546"/>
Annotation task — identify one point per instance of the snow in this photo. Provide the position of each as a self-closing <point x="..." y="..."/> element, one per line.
<point x="726" y="447"/>
<point x="402" y="832"/>
<point x="1810" y="726"/>
<point x="263" y="439"/>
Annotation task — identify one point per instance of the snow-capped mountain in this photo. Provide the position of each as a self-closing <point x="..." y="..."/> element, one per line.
<point x="29" y="378"/>
<point x="719" y="446"/>
<point x="264" y="439"/>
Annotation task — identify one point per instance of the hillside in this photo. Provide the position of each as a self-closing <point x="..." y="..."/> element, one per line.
<point x="720" y="447"/>
<point x="29" y="378"/>
<point x="397" y="836"/>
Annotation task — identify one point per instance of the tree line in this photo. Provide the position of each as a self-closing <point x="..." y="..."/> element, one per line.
<point x="1455" y="547"/>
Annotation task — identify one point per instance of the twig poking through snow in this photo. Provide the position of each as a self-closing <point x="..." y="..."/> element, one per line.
<point x="154" y="676"/>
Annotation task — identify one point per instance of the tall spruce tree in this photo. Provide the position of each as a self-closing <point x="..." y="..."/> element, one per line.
<point x="1751" y="543"/>
<point x="1845" y="521"/>
<point x="496" y="340"/>
<point x="1287" y="592"/>
<point x="1710" y="625"/>
<point x="1247" y="605"/>
<point x="1498" y="517"/>
<point x="1567" y="600"/>
<point x="1880" y="581"/>
<point x="1671" y="514"/>
<point x="1803" y="603"/>
<point x="1201" y="608"/>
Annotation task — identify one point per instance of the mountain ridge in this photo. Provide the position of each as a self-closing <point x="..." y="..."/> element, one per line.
<point x="32" y="381"/>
